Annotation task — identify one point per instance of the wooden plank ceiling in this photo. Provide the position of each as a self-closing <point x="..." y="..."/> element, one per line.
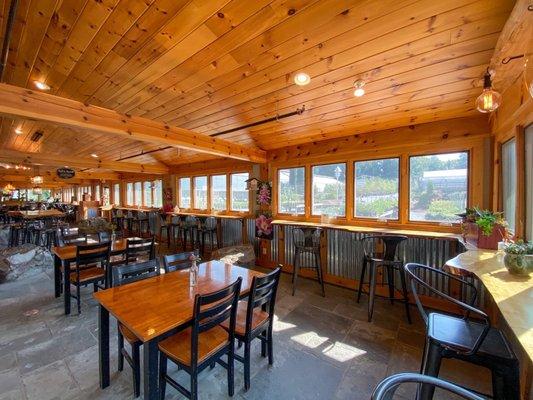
<point x="214" y="65"/>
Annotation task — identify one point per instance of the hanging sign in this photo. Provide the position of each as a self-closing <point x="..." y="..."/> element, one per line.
<point x="65" y="173"/>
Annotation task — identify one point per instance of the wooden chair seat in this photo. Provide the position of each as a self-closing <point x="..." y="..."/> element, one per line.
<point x="178" y="346"/>
<point x="88" y="275"/>
<point x="259" y="317"/>
<point x="128" y="335"/>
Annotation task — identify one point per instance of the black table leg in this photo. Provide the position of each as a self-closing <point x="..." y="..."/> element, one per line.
<point x="57" y="276"/>
<point x="66" y="284"/>
<point x="103" y="346"/>
<point x="151" y="370"/>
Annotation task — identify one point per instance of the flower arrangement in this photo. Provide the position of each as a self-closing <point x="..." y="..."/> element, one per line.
<point x="263" y="225"/>
<point x="264" y="194"/>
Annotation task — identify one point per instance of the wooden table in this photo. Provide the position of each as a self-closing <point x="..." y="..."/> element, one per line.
<point x="37" y="214"/>
<point x="63" y="256"/>
<point x="512" y="295"/>
<point x="156" y="307"/>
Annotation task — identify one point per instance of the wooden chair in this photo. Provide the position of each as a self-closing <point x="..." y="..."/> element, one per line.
<point x="179" y="261"/>
<point x="204" y="343"/>
<point x="463" y="338"/>
<point x="388" y="260"/>
<point x="255" y="319"/>
<point x="87" y="271"/>
<point x="140" y="248"/>
<point x="123" y="275"/>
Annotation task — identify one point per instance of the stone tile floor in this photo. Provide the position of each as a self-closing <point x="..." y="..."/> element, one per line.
<point x="324" y="349"/>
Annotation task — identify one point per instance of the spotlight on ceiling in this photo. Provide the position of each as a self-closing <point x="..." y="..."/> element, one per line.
<point x="41" y="85"/>
<point x="94" y="155"/>
<point x="19" y="131"/>
<point x="358" y="88"/>
<point x="302" y="79"/>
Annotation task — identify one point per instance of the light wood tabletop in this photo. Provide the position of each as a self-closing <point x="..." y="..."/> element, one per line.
<point x="68" y="253"/>
<point x="512" y="294"/>
<point x="36" y="214"/>
<point x="154" y="306"/>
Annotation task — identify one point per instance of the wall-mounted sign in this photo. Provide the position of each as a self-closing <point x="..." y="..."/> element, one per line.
<point x="65" y="173"/>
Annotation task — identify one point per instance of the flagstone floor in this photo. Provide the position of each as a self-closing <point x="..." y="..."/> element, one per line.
<point x="324" y="349"/>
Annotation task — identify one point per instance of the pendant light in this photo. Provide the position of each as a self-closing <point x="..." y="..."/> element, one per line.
<point x="489" y="100"/>
<point x="36" y="179"/>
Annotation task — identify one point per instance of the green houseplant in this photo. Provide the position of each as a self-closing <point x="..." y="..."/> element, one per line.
<point x="483" y="228"/>
<point x="518" y="258"/>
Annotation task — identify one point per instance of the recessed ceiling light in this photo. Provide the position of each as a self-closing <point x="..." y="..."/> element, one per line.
<point x="359" y="90"/>
<point x="301" y="78"/>
<point x="19" y="131"/>
<point x="41" y="85"/>
<point x="94" y="155"/>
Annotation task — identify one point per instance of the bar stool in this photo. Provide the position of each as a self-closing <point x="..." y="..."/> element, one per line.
<point x="208" y="228"/>
<point x="463" y="338"/>
<point x="118" y="219"/>
<point x="164" y="226"/>
<point x="386" y="259"/>
<point x="16" y="232"/>
<point x="306" y="241"/>
<point x="190" y="229"/>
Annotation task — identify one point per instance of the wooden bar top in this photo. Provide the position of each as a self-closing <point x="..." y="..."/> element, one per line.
<point x="187" y="213"/>
<point x="154" y="306"/>
<point x="368" y="229"/>
<point x="512" y="294"/>
<point x="36" y="214"/>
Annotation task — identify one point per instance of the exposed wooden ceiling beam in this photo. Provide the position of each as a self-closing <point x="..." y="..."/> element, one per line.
<point x="51" y="173"/>
<point x="21" y="102"/>
<point x="75" y="162"/>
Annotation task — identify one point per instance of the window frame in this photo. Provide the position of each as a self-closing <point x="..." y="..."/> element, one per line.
<point x="210" y="188"/>
<point x="354" y="197"/>
<point x="407" y="206"/>
<point x="338" y="217"/>
<point x="229" y="193"/>
<point x="193" y="193"/>
<point x="276" y="192"/>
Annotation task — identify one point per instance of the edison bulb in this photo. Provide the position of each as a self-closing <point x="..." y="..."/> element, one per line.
<point x="488" y="101"/>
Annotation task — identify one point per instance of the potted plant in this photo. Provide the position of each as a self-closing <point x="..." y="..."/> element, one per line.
<point x="483" y="228"/>
<point x="518" y="258"/>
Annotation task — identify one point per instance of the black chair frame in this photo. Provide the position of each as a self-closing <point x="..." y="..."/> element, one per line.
<point x="309" y="244"/>
<point x="179" y="261"/>
<point x="505" y="370"/>
<point x="210" y="310"/>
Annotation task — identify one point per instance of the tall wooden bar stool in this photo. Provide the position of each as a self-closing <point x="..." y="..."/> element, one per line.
<point x="463" y="338"/>
<point x="387" y="259"/>
<point x="306" y="241"/>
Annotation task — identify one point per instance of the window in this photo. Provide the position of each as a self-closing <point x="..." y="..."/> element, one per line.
<point x="185" y="192"/>
<point x="116" y="194"/>
<point x="291" y="191"/>
<point x="97" y="192"/>
<point x="200" y="192"/>
<point x="218" y="192"/>
<point x="529" y="182"/>
<point x="129" y="194"/>
<point x="158" y="193"/>
<point x="147" y="186"/>
<point x="509" y="182"/>
<point x="438" y="187"/>
<point x="329" y="190"/>
<point x="376" y="188"/>
<point x="137" y="196"/>
<point x="239" y="194"/>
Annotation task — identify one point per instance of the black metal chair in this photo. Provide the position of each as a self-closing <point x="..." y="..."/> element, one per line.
<point x="176" y="230"/>
<point x="204" y="343"/>
<point x="208" y="228"/>
<point x="164" y="226"/>
<point x="190" y="231"/>
<point x="179" y="261"/>
<point x="137" y="249"/>
<point x="387" y="387"/>
<point x="306" y="241"/>
<point x="463" y="338"/>
<point x="387" y="258"/>
<point x="122" y="275"/>
<point x="140" y="223"/>
<point x="255" y="319"/>
<point x="92" y="262"/>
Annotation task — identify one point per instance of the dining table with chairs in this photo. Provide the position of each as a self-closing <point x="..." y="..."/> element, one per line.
<point x="157" y="308"/>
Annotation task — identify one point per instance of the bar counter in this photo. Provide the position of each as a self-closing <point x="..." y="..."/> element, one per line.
<point x="512" y="294"/>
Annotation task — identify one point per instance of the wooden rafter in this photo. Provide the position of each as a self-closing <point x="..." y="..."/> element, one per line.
<point x="75" y="162"/>
<point x="16" y="101"/>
